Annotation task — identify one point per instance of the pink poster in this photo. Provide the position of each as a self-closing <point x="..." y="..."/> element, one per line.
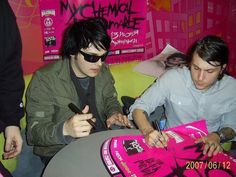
<point x="126" y="18"/>
<point x="130" y="156"/>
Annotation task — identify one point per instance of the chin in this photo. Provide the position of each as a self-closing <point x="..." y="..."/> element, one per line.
<point x="201" y="87"/>
<point x="92" y="74"/>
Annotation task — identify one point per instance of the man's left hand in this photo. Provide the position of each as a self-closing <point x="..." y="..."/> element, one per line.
<point x="212" y="144"/>
<point x="118" y="119"/>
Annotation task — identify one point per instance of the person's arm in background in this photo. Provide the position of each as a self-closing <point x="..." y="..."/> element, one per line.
<point x="11" y="80"/>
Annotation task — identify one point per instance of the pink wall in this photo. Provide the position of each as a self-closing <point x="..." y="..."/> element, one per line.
<point x="178" y="22"/>
<point x="181" y="22"/>
<point x="27" y="14"/>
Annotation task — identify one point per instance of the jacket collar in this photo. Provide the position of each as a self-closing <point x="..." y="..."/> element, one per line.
<point x="64" y="73"/>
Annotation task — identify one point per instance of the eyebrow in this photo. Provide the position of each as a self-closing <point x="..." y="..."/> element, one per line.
<point x="93" y="54"/>
<point x="205" y="69"/>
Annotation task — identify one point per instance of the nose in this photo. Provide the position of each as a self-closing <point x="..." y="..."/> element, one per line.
<point x="201" y="75"/>
<point x="99" y="62"/>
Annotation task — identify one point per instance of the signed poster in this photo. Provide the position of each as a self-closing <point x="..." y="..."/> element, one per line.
<point x="126" y="20"/>
<point x="130" y="156"/>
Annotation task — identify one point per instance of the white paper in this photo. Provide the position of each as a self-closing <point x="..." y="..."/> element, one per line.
<point x="155" y="66"/>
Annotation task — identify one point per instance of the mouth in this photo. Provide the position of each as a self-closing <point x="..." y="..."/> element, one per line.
<point x="95" y="70"/>
<point x="199" y="85"/>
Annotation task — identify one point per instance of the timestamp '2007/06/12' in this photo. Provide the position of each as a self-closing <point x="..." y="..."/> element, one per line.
<point x="207" y="165"/>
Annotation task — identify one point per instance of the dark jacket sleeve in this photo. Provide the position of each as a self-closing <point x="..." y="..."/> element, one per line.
<point x="11" y="75"/>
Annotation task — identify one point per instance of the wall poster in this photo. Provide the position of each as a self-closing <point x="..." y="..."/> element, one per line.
<point x="126" y="19"/>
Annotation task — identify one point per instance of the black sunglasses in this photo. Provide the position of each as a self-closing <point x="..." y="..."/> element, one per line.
<point x="93" y="58"/>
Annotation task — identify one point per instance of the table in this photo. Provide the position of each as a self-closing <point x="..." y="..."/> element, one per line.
<point x="81" y="158"/>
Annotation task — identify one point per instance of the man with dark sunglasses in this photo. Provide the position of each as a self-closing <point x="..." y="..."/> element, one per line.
<point x="81" y="79"/>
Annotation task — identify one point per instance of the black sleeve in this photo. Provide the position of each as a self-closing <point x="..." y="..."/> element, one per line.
<point x="4" y="171"/>
<point x="11" y="75"/>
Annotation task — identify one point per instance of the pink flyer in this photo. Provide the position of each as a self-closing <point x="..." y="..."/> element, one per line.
<point x="130" y="156"/>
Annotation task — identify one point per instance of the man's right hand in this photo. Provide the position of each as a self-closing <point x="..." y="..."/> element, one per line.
<point x="157" y="139"/>
<point x="13" y="143"/>
<point x="77" y="126"/>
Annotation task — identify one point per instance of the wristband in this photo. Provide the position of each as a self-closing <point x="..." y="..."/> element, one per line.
<point x="221" y="136"/>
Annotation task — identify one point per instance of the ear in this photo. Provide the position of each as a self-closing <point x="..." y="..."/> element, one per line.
<point x="72" y="56"/>
<point x="223" y="67"/>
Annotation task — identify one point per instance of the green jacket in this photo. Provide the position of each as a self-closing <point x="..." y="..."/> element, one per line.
<point x="49" y="93"/>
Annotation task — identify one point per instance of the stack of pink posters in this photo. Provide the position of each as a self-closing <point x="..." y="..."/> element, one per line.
<point x="130" y="156"/>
